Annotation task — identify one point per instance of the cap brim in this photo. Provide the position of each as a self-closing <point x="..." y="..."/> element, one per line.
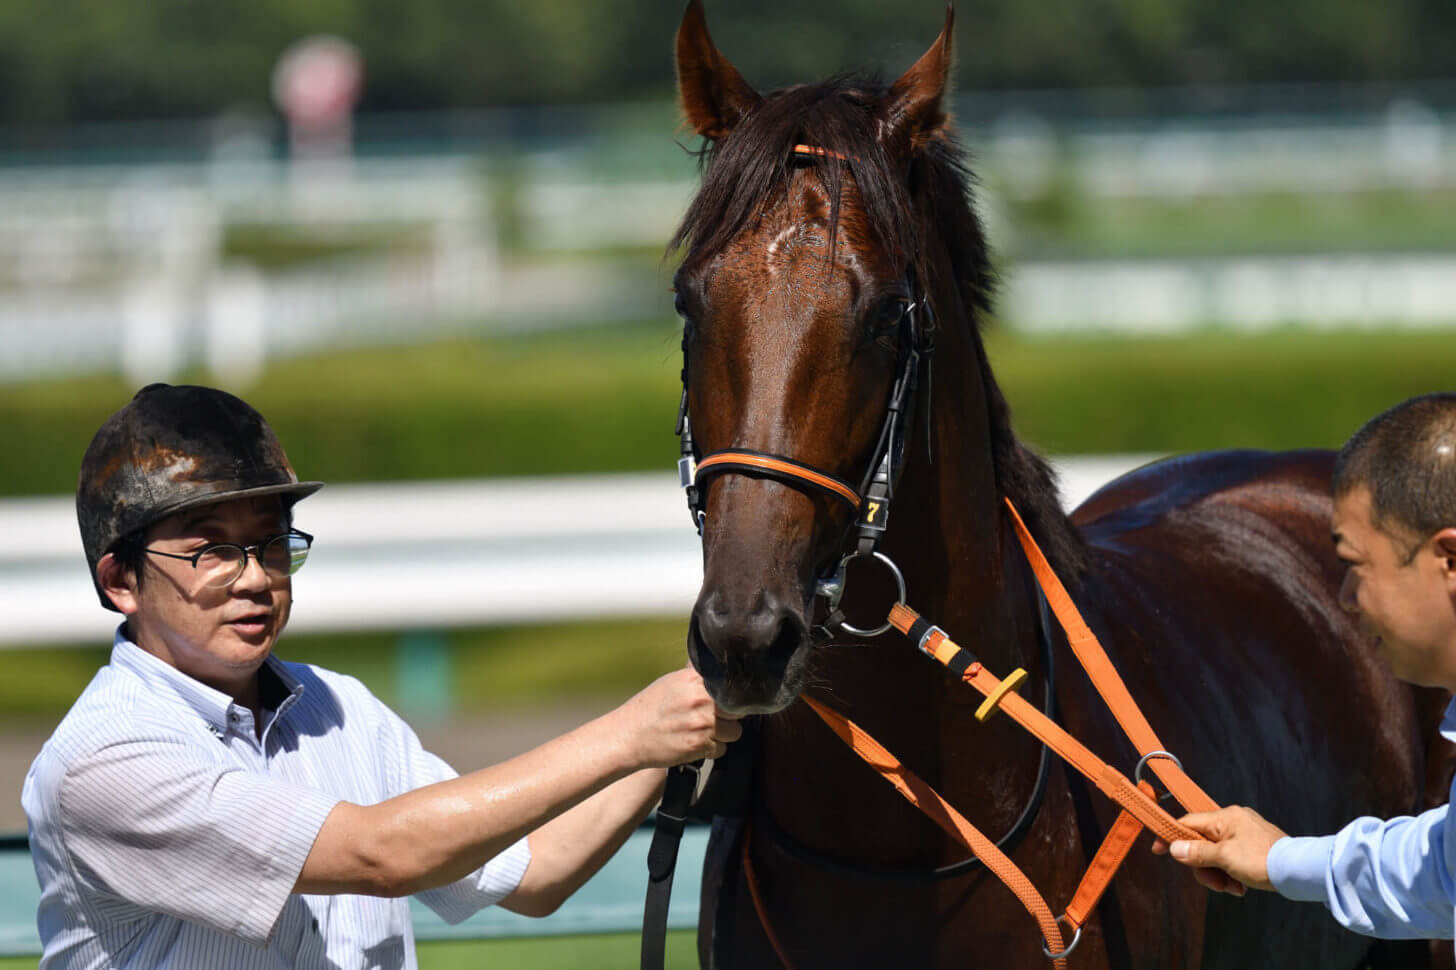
<point x="297" y="490"/>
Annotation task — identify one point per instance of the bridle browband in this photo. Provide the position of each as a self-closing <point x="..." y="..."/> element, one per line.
<point x="870" y="502"/>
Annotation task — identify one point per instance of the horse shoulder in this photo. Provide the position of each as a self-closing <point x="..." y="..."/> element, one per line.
<point x="1218" y="571"/>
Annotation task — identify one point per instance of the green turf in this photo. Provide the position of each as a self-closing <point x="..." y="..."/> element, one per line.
<point x="618" y="951"/>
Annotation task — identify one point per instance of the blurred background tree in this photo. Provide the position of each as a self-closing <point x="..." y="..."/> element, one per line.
<point x="70" y="61"/>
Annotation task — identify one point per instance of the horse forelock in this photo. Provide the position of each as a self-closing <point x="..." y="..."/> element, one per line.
<point x="748" y="172"/>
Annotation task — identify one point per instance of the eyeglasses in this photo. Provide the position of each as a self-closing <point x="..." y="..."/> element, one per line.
<point x="222" y="563"/>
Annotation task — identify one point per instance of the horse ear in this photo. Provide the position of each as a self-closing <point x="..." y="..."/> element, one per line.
<point x="714" y="96"/>
<point x="914" y="111"/>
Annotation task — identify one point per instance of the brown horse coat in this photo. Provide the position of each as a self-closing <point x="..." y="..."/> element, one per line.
<point x="1210" y="580"/>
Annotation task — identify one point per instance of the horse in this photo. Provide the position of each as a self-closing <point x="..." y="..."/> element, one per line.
<point x="828" y="214"/>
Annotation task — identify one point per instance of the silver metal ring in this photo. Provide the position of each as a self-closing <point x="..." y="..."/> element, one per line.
<point x="838" y="585"/>
<point x="1076" y="938"/>
<point x="1137" y="773"/>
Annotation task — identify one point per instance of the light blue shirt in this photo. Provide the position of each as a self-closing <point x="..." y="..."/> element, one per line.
<point x="1394" y="879"/>
<point x="166" y="833"/>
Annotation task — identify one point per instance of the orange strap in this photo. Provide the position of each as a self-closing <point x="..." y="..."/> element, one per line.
<point x="821" y="152"/>
<point x="925" y="798"/>
<point x="1112" y="782"/>
<point x="1105" y="863"/>
<point x="782" y="467"/>
<point x="1108" y="682"/>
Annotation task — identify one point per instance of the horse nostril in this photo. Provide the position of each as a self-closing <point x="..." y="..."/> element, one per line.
<point x="790" y="637"/>
<point x="710" y="628"/>
<point x="706" y="659"/>
<point x="766" y="629"/>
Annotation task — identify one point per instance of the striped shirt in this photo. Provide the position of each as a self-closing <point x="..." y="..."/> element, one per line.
<point x="166" y="834"/>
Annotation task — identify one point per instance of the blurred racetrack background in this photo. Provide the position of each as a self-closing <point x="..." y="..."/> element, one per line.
<point x="426" y="240"/>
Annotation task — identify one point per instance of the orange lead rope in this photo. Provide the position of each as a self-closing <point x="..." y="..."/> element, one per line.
<point x="1139" y="806"/>
<point x="929" y="801"/>
<point x="1109" y="684"/>
<point x="1112" y="782"/>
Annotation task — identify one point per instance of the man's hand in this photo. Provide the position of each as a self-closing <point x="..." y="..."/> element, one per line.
<point x="1236" y="853"/>
<point x="673" y="721"/>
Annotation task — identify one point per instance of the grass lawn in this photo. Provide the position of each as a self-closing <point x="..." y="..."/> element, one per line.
<point x="607" y="952"/>
<point x="621" y="951"/>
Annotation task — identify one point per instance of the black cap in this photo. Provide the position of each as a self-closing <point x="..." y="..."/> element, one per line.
<point x="170" y="449"/>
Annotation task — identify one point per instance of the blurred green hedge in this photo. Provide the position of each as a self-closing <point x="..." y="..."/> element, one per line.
<point x="604" y="400"/>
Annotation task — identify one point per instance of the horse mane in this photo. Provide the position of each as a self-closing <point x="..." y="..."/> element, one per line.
<point x="745" y="174"/>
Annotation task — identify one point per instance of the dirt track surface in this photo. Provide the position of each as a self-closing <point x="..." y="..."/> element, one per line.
<point x="466" y="742"/>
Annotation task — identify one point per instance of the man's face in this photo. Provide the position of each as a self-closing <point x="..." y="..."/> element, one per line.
<point x="218" y="635"/>
<point x="1404" y="601"/>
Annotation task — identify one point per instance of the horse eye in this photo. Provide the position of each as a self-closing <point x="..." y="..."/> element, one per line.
<point x="888" y="316"/>
<point x="681" y="306"/>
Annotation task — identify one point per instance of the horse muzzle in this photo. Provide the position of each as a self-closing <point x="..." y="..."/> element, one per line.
<point x="751" y="651"/>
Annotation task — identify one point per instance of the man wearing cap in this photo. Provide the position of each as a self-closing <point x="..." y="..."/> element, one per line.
<point x="206" y="805"/>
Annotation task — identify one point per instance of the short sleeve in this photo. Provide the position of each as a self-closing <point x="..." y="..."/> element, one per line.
<point x="484" y="887"/>
<point x="155" y="824"/>
<point x="413" y="767"/>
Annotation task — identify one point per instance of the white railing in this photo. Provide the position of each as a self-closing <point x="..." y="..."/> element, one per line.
<point x="432" y="555"/>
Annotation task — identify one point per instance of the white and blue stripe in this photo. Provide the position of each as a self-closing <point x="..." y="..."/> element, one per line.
<point x="166" y="834"/>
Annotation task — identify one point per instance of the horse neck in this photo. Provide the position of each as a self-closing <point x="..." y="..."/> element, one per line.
<point x="965" y="569"/>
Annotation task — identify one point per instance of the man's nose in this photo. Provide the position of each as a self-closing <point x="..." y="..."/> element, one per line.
<point x="253" y="576"/>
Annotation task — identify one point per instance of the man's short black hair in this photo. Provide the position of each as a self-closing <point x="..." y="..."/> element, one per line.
<point x="1406" y="457"/>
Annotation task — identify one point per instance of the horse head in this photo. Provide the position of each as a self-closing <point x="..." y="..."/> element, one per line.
<point x="800" y="276"/>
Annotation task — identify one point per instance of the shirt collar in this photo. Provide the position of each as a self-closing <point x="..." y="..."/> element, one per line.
<point x="1448" y="721"/>
<point x="164" y="680"/>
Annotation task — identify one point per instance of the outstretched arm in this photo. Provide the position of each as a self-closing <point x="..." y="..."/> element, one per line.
<point x="439" y="833"/>
<point x="1393" y="878"/>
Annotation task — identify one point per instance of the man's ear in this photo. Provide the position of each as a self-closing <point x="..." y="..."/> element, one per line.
<point x="117" y="582"/>
<point x="714" y="96"/>
<point x="1443" y="544"/>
